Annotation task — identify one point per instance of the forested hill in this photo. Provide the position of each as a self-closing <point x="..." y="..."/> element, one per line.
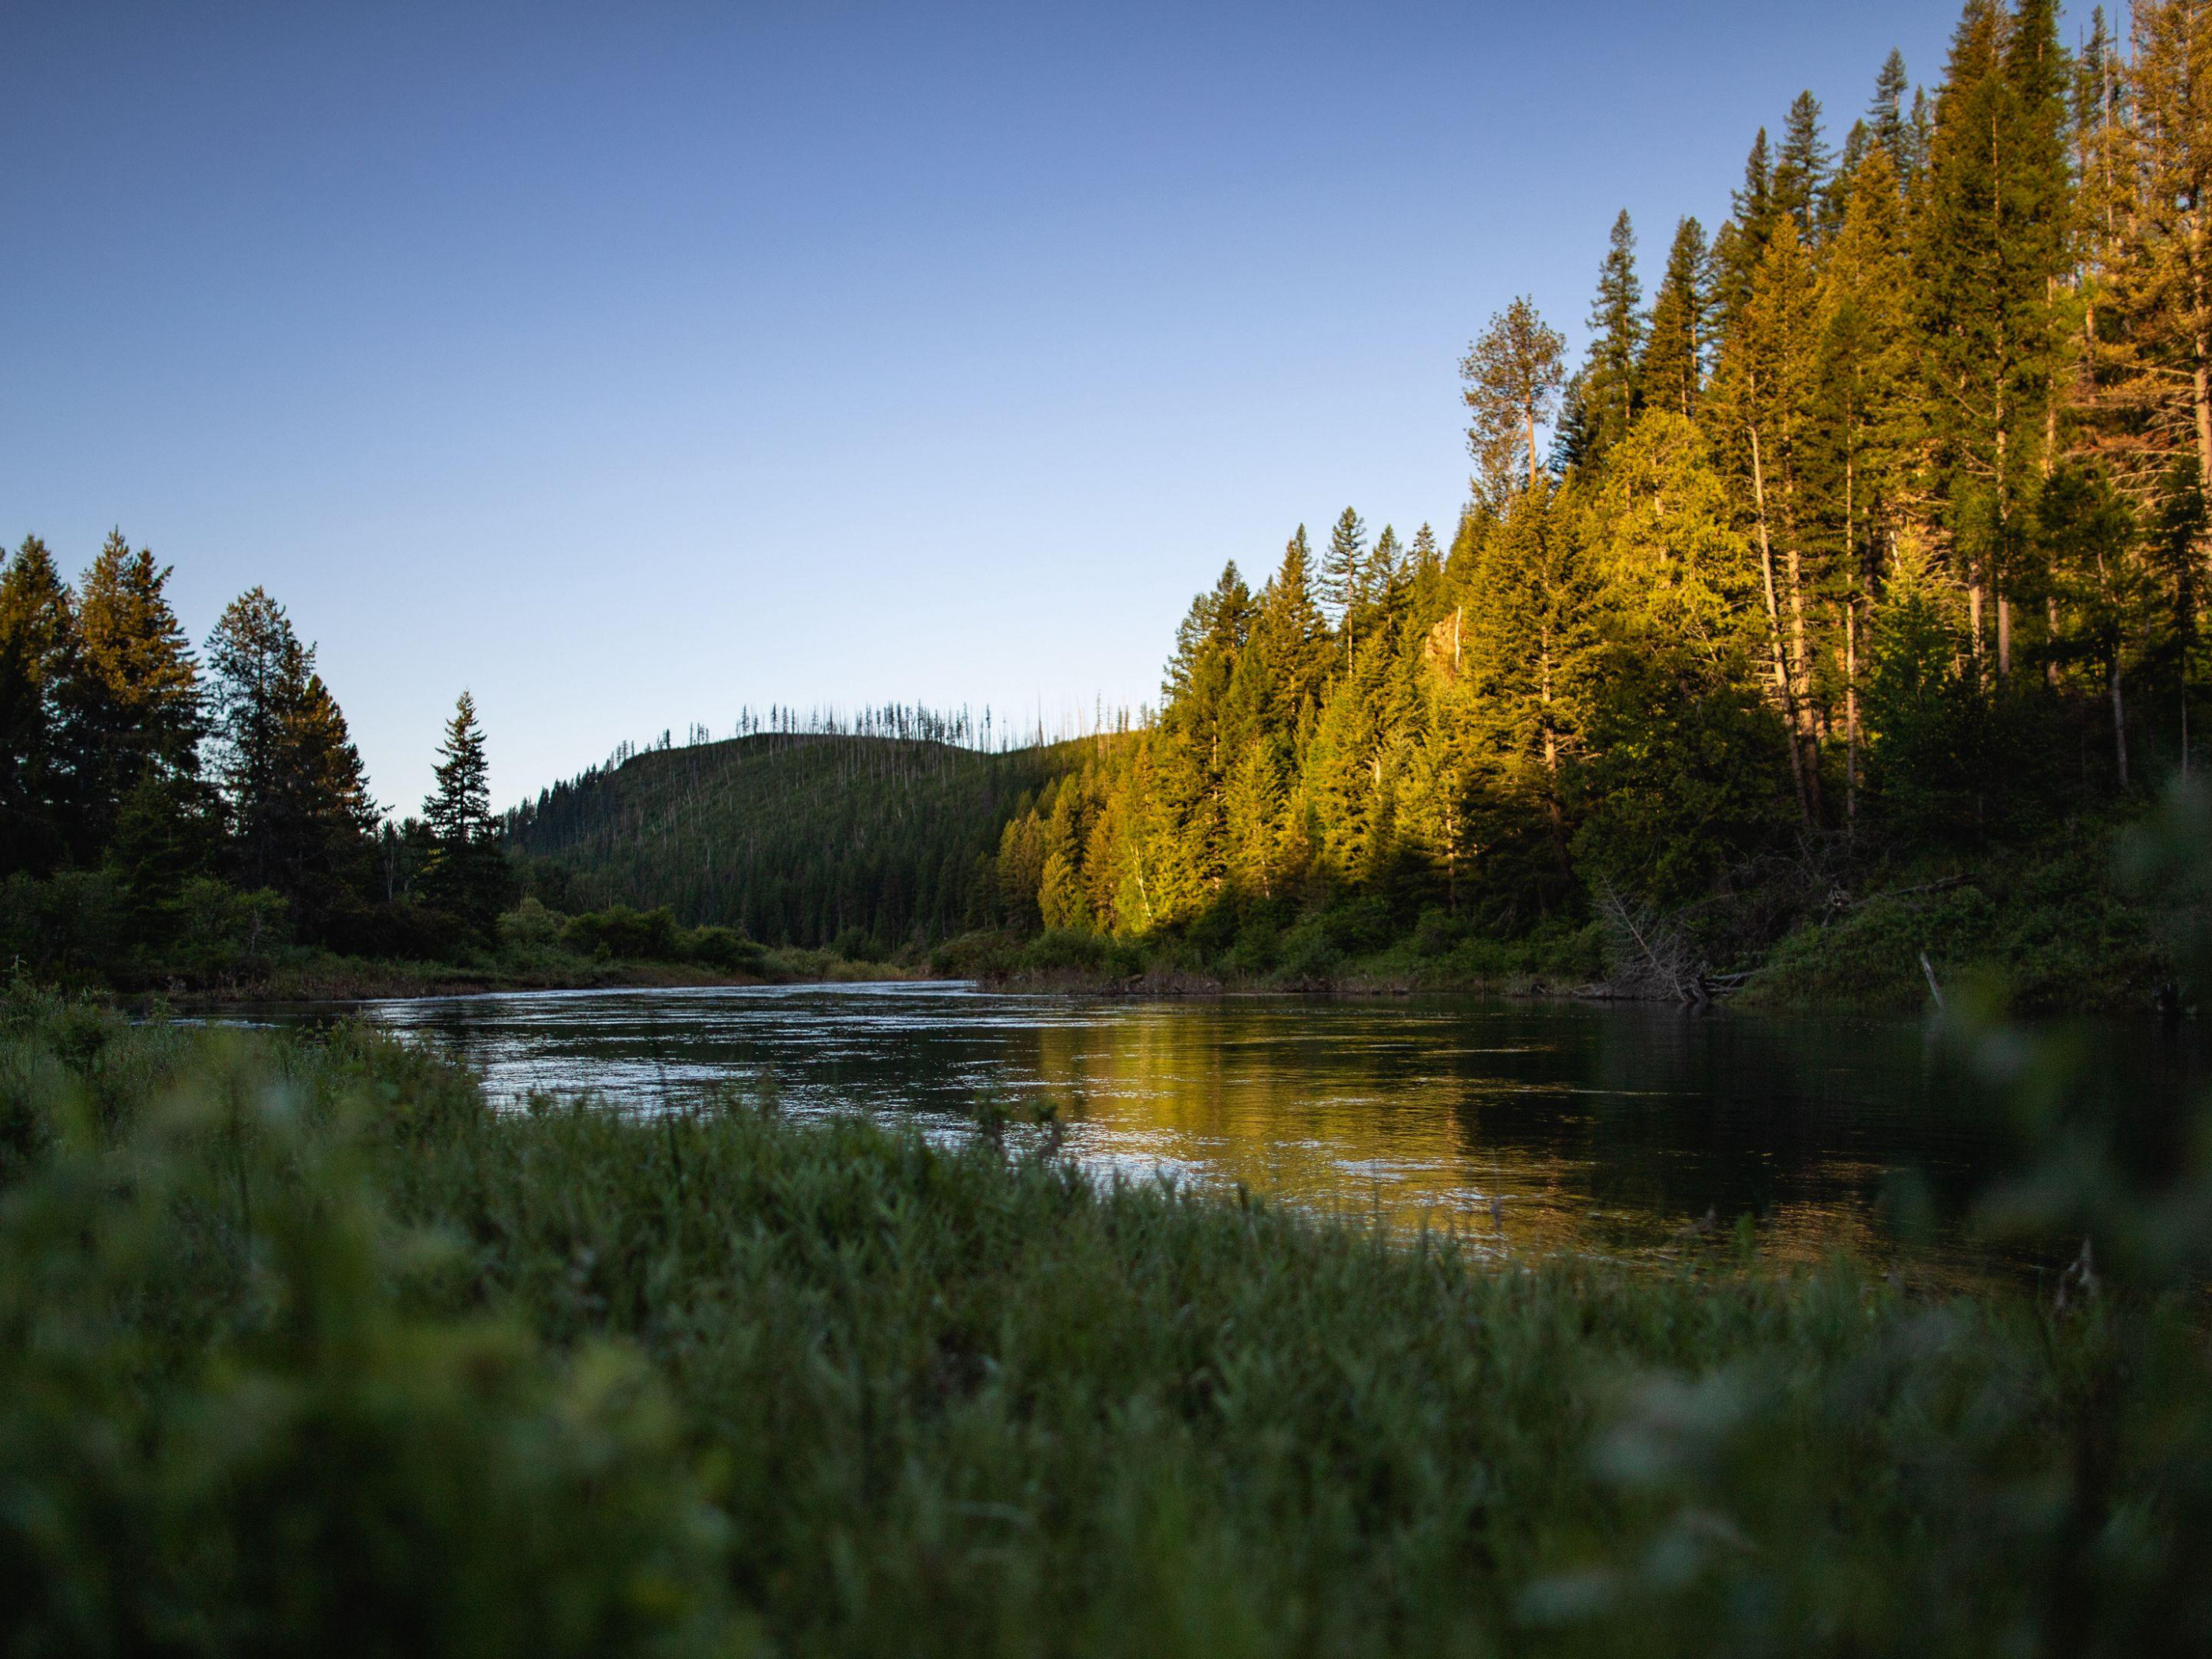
<point x="796" y="838"/>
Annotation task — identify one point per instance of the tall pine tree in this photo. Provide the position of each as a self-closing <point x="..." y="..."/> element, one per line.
<point x="1675" y="350"/>
<point x="1611" y="393"/>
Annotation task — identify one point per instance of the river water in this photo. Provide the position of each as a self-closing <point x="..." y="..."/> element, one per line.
<point x="1526" y="1126"/>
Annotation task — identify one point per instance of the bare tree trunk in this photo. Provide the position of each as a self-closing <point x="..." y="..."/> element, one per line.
<point x="2050" y="618"/>
<point x="1851" y="712"/>
<point x="1996" y="573"/>
<point x="2200" y="380"/>
<point x="1528" y="412"/>
<point x="1774" y="633"/>
<point x="2119" y="720"/>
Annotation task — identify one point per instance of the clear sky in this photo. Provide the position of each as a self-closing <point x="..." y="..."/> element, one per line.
<point x="630" y="364"/>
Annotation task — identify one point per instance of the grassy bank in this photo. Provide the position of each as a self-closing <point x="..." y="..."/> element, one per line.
<point x="301" y="1348"/>
<point x="2054" y="924"/>
<point x="321" y="977"/>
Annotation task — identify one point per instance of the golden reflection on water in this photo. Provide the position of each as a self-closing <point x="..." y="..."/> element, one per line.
<point x="1522" y="1129"/>
<point x="1175" y="1093"/>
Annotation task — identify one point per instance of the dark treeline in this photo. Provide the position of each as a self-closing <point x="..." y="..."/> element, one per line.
<point x="811" y="831"/>
<point x="1879" y="529"/>
<point x="168" y="812"/>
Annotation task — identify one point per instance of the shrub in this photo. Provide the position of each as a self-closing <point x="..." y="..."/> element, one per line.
<point x="531" y="927"/>
<point x="723" y="948"/>
<point x="623" y="934"/>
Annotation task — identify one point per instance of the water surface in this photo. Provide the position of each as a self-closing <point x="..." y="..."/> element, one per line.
<point x="1526" y="1125"/>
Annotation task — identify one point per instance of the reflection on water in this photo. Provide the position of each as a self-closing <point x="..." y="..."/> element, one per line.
<point x="1526" y="1125"/>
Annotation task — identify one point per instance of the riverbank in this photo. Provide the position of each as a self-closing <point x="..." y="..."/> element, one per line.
<point x="305" y="1344"/>
<point x="2051" y="928"/>
<point x="315" y="977"/>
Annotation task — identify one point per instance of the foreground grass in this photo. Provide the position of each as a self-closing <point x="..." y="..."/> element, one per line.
<point x="303" y="1348"/>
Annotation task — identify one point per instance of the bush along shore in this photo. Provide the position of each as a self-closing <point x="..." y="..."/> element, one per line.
<point x="304" y="1347"/>
<point x="2057" y="926"/>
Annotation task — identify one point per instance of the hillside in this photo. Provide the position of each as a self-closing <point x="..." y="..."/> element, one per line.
<point x="798" y="839"/>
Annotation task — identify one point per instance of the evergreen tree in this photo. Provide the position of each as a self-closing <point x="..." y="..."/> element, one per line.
<point x="1886" y="117"/>
<point x="37" y="635"/>
<point x="1512" y="375"/>
<point x="2088" y="537"/>
<point x="2167" y="281"/>
<point x="1344" y="567"/>
<point x="1611" y="392"/>
<point x="131" y="698"/>
<point x="465" y="874"/>
<point x="1424" y="578"/>
<point x="1529" y="620"/>
<point x="1742" y="241"/>
<point x="1385" y="569"/>
<point x="1290" y="640"/>
<point x="1863" y="418"/>
<point x="1760" y="407"/>
<point x="1673" y="367"/>
<point x="291" y="781"/>
<point x="1801" y="169"/>
<point x="1993" y="248"/>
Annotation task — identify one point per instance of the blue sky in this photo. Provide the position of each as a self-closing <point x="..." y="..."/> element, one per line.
<point x="628" y="365"/>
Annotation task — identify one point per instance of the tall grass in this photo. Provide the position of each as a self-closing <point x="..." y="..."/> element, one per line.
<point x="302" y="1347"/>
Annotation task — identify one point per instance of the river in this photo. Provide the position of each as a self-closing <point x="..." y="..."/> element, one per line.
<point x="1526" y="1126"/>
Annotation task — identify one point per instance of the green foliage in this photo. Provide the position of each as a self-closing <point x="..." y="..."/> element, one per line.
<point x="349" y="1360"/>
<point x="465" y="875"/>
<point x="901" y="839"/>
<point x="237" y="1415"/>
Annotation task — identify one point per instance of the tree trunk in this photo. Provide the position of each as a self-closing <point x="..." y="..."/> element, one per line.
<point x="2120" y="720"/>
<point x="1774" y="633"/>
<point x="2200" y="379"/>
<point x="1851" y="712"/>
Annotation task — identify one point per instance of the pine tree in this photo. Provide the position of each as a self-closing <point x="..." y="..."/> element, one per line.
<point x="1385" y="568"/>
<point x="465" y="874"/>
<point x="2166" y="282"/>
<point x="1291" y="636"/>
<point x="37" y="638"/>
<point x="1253" y="809"/>
<point x="292" y="781"/>
<point x="1610" y="391"/>
<point x="1344" y="567"/>
<point x="1742" y="241"/>
<point x="1512" y="374"/>
<point x="131" y="698"/>
<point x="2089" y="541"/>
<point x="1424" y="578"/>
<point x="1528" y="630"/>
<point x="1992" y="247"/>
<point x="1674" y="368"/>
<point x="1759" y="411"/>
<point x="1862" y="417"/>
<point x="1801" y="169"/>
<point x="1886" y="117"/>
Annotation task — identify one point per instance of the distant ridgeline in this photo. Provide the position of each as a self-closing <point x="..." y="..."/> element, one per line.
<point x="874" y="833"/>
